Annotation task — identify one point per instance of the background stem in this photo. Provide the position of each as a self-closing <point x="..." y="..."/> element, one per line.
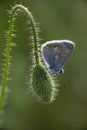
<point x="9" y="44"/>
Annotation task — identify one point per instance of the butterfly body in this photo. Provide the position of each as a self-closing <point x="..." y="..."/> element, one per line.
<point x="55" y="54"/>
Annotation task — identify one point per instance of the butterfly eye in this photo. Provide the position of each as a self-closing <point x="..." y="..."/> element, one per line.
<point x="61" y="71"/>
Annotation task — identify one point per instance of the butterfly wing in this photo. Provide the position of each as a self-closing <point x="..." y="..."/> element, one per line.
<point x="65" y="48"/>
<point x="56" y="53"/>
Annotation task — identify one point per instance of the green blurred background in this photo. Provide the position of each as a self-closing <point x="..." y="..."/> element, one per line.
<point x="59" y="19"/>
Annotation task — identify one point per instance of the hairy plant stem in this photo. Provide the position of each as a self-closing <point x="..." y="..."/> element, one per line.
<point x="9" y="44"/>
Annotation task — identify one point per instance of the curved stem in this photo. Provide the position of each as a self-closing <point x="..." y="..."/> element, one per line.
<point x="9" y="44"/>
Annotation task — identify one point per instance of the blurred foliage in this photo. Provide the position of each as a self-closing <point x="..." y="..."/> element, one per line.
<point x="59" y="19"/>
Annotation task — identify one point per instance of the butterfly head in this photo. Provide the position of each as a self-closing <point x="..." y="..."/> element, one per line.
<point x="56" y="70"/>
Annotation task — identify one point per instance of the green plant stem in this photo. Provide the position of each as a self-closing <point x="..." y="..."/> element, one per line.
<point x="9" y="44"/>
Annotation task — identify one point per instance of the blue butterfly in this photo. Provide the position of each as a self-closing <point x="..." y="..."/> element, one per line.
<point x="55" y="54"/>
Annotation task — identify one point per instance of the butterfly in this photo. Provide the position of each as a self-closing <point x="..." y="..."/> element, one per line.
<point x="55" y="54"/>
